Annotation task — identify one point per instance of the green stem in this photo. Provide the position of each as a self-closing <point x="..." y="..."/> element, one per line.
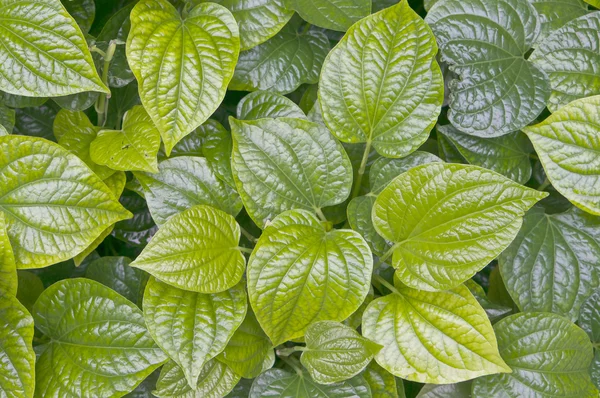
<point x="294" y="364"/>
<point x="385" y="283"/>
<point x="248" y="235"/>
<point x="306" y="28"/>
<point x="544" y="185"/>
<point x="361" y="171"/>
<point x="245" y="249"/>
<point x="320" y="214"/>
<point x="287" y="351"/>
<point x="533" y="156"/>
<point x="102" y="104"/>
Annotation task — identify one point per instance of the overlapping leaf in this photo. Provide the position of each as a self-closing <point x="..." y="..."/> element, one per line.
<point x="265" y="104"/>
<point x="331" y="14"/>
<point x="215" y="380"/>
<point x="115" y="272"/>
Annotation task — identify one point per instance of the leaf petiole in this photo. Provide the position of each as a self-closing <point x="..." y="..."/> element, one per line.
<point x="361" y="170"/>
<point x="385" y="283"/>
<point x="294" y="364"/>
<point x="102" y="104"/>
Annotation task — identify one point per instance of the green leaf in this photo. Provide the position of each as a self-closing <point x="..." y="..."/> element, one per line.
<point x="138" y="230"/>
<point x="82" y="11"/>
<point x="183" y="66"/>
<point x="567" y="145"/>
<point x="448" y="221"/>
<point x="507" y="155"/>
<point x="116" y="273"/>
<point x="17" y="359"/>
<point x="77" y="102"/>
<point x="134" y="147"/>
<point x="145" y="388"/>
<point x="196" y="250"/>
<point x="122" y="100"/>
<point x="549" y="357"/>
<point x="248" y="349"/>
<point x="485" y="43"/>
<point x="381" y="84"/>
<point x="7" y="118"/>
<point x="282" y="63"/>
<point x="494" y="311"/>
<point x="54" y="205"/>
<point x="184" y="182"/>
<point x="265" y="104"/>
<point x="382" y="383"/>
<point x="458" y="390"/>
<point x="217" y="150"/>
<point x="331" y="14"/>
<point x="283" y="164"/>
<point x="433" y="337"/>
<point x="215" y="381"/>
<point x="335" y="352"/>
<point x="384" y="170"/>
<point x="553" y="14"/>
<point x="30" y="287"/>
<point x="359" y="212"/>
<point x="98" y="341"/>
<point x="570" y="57"/>
<point x="8" y="268"/>
<point x="19" y="101"/>
<point x="589" y="320"/>
<point x="595" y="370"/>
<point x="44" y="53"/>
<point x="300" y="273"/>
<point x="36" y="122"/>
<point x="191" y="327"/>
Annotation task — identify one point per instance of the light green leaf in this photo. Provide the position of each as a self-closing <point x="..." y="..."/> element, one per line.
<point x="549" y="357"/>
<point x="594" y="3"/>
<point x="196" y="250"/>
<point x="191" y="327"/>
<point x="458" y="390"/>
<point x="7" y="118"/>
<point x="3" y="131"/>
<point x="215" y="381"/>
<point x="265" y="104"/>
<point x="448" y="221"/>
<point x="381" y="84"/>
<point x="382" y="383"/>
<point x="567" y="143"/>
<point x="8" y="268"/>
<point x="335" y="352"/>
<point x="282" y="63"/>
<point x="134" y="147"/>
<point x="433" y="337"/>
<point x="283" y="164"/>
<point x="30" y="287"/>
<point x="183" y="66"/>
<point x="98" y="342"/>
<point x="116" y="273"/>
<point x="485" y="43"/>
<point x="331" y="14"/>
<point x="553" y="14"/>
<point x="183" y="182"/>
<point x="54" y="205"/>
<point x="570" y="56"/>
<point x="494" y="311"/>
<point x="44" y="53"/>
<point x="302" y="272"/>
<point x="17" y="359"/>
<point x="507" y="155"/>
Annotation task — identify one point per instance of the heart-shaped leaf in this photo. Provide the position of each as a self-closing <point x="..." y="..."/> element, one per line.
<point x="331" y="14"/>
<point x="215" y="380"/>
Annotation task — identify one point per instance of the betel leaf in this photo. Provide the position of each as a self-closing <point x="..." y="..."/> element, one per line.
<point x="8" y="268"/>
<point x="138" y="230"/>
<point x="553" y="14"/>
<point x="382" y="383"/>
<point x="282" y="63"/>
<point x="182" y="66"/>
<point x="485" y="43"/>
<point x="217" y="150"/>
<point x="335" y="352"/>
<point x="30" y="286"/>
<point x="98" y="341"/>
<point x="570" y="56"/>
<point x="589" y="320"/>
<point x="35" y="121"/>
<point x="567" y="144"/>
<point x="331" y="14"/>
<point x="508" y="155"/>
<point x="196" y="250"/>
<point x="300" y="273"/>
<point x="115" y="272"/>
<point x="77" y="102"/>
<point x="82" y="11"/>
<point x="19" y="101"/>
<point x="43" y="51"/>
<point x="493" y="310"/>
<point x="265" y="104"/>
<point x="457" y="390"/>
<point x="381" y="84"/>
<point x="145" y="388"/>
<point x="448" y="221"/>
<point x="549" y="357"/>
<point x="191" y="327"/>
<point x="54" y="205"/>
<point x="17" y="359"/>
<point x="183" y="182"/>
<point x="7" y="118"/>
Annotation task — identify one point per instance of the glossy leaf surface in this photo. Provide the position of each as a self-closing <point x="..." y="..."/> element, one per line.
<point x="331" y="14"/>
<point x="214" y="381"/>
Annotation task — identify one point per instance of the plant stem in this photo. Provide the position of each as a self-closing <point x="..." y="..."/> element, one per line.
<point x="385" y="283"/>
<point x="102" y="104"/>
<point x="287" y="351"/>
<point x="293" y="363"/>
<point x="361" y="170"/>
<point x="320" y="214"/>
<point x="245" y="249"/>
<point x="544" y="185"/>
<point x="248" y="235"/>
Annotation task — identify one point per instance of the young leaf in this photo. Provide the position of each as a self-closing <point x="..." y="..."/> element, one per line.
<point x="214" y="381"/>
<point x="8" y="268"/>
<point x="382" y="383"/>
<point x="196" y="250"/>
<point x="17" y="359"/>
<point x="553" y="14"/>
<point x="448" y="221"/>
<point x="300" y="273"/>
<point x="420" y="344"/>
<point x="116" y="273"/>
<point x="381" y="84"/>
<point x="548" y="355"/>
<point x="283" y="164"/>
<point x="54" y="205"/>
<point x="98" y="341"/>
<point x="567" y="144"/>
<point x="485" y="43"/>
<point x="265" y="104"/>
<point x="331" y="14"/>
<point x="183" y="66"/>
<point x="134" y="147"/>
<point x="191" y="327"/>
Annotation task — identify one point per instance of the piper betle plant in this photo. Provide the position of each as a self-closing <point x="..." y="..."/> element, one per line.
<point x="294" y="198"/>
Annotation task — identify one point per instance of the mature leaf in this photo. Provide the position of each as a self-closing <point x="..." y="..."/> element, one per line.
<point x="134" y="147"/>
<point x="549" y="357"/>
<point x="359" y="212"/>
<point x="30" y="287"/>
<point x="116" y="273"/>
<point x="381" y="84"/>
<point x="485" y="43"/>
<point x="146" y="387"/>
<point x="283" y="164"/>
<point x="184" y="182"/>
<point x="448" y="221"/>
<point x="300" y="273"/>
<point x="589" y="320"/>
<point x="138" y="230"/>
<point x="458" y="390"/>
<point x="265" y="104"/>
<point x="196" y="250"/>
<point x="99" y="341"/>
<point x="384" y="170"/>
<point x="17" y="359"/>
<point x="570" y="56"/>
<point x="241" y="389"/>
<point x="331" y="14"/>
<point x="493" y="310"/>
<point x="82" y="11"/>
<point x="44" y="54"/>
<point x="191" y="327"/>
<point x="567" y="143"/>
<point x="183" y="66"/>
<point x="553" y="14"/>
<point x="7" y="118"/>
<point x="35" y="121"/>
<point x="122" y="100"/>
<point x="77" y="102"/>
<point x="215" y="381"/>
<point x="217" y="150"/>
<point x="382" y="383"/>
<point x="19" y="101"/>
<point x="8" y="268"/>
<point x="54" y="205"/>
